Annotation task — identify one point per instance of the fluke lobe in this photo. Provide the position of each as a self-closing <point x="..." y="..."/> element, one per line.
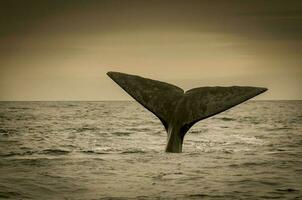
<point x="178" y="110"/>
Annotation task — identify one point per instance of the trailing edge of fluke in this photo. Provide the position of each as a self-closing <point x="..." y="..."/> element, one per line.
<point x="178" y="110"/>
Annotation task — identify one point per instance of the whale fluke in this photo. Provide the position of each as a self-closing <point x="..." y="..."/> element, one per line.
<point x="158" y="97"/>
<point x="178" y="110"/>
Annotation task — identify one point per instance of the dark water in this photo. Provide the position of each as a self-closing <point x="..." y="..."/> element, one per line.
<point x="105" y="150"/>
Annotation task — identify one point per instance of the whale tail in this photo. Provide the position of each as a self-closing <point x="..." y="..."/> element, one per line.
<point x="178" y="110"/>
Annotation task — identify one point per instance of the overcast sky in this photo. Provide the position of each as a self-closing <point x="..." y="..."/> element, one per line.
<point x="61" y="50"/>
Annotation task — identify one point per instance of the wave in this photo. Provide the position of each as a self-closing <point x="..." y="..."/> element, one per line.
<point x="85" y="128"/>
<point x="93" y="152"/>
<point x="17" y="154"/>
<point x="8" y="131"/>
<point x="45" y="151"/>
<point x="55" y="151"/>
<point x="226" y="118"/>
<point x="133" y="151"/>
<point x="199" y="195"/>
<point x="20" y="108"/>
<point x="198" y="131"/>
<point x="278" y="129"/>
<point x="9" y="194"/>
<point x="119" y="133"/>
<point x="139" y="129"/>
<point x="209" y="196"/>
<point x="287" y="190"/>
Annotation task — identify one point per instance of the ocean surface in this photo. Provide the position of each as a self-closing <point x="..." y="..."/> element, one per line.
<point x="115" y="150"/>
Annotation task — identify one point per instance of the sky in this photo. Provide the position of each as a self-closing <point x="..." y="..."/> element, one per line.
<point x="61" y="50"/>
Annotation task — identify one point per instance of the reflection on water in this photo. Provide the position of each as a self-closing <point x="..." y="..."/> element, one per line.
<point x="95" y="150"/>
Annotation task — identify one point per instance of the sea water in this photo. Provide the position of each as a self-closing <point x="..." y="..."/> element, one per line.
<point x="115" y="150"/>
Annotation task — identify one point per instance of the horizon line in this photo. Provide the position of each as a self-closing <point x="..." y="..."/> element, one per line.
<point x="125" y="100"/>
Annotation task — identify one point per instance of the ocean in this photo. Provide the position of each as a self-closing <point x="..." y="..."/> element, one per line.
<point x="115" y="150"/>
